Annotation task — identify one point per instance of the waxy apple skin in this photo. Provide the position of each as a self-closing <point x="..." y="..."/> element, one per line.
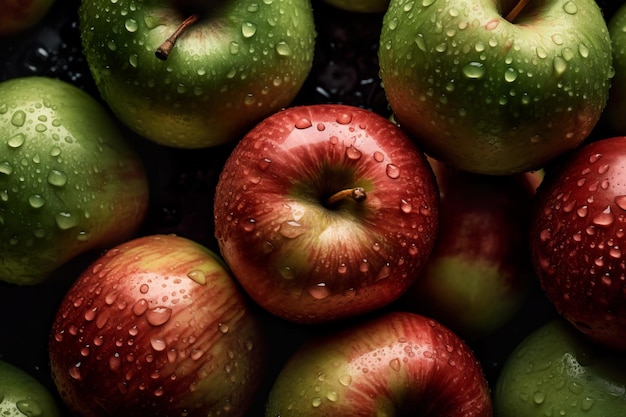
<point x="239" y="63"/>
<point x="71" y="181"/>
<point x="305" y="261"/>
<point x="577" y="239"/>
<point x="397" y="364"/>
<point x="479" y="273"/>
<point x="489" y="96"/>
<point x="156" y="327"/>
<point x="557" y="371"/>
<point x="21" y="394"/>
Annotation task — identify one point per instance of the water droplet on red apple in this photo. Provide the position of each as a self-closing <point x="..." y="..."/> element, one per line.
<point x="395" y="364"/>
<point x="250" y="225"/>
<point x="144" y="288"/>
<point x="353" y="153"/>
<point x="158" y="344"/>
<point x="303" y="123"/>
<point x="344" y="118"/>
<point x="74" y="371"/>
<point x="158" y="315"/>
<point x="378" y="156"/>
<point x="264" y="164"/>
<point x="392" y="171"/>
<point x="319" y="291"/>
<point x="115" y="363"/>
<point x="582" y="211"/>
<point x="140" y="307"/>
<point x="223" y="328"/>
<point x="606" y="218"/>
<point x="197" y="276"/>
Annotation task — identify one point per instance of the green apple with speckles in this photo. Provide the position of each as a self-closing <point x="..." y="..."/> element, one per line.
<point x="557" y="371"/>
<point x="496" y="87"/>
<point x="21" y="394"/>
<point x="189" y="76"/>
<point x="70" y="181"/>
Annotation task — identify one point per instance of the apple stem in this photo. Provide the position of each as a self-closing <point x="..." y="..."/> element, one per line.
<point x="516" y="10"/>
<point x="163" y="51"/>
<point x="357" y="194"/>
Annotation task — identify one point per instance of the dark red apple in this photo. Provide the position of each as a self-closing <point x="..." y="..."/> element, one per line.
<point x="479" y="273"/>
<point x="397" y="364"/>
<point x="578" y="242"/>
<point x="325" y="212"/>
<point x="156" y="327"/>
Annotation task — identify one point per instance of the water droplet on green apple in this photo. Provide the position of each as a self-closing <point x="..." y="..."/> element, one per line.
<point x="560" y="66"/>
<point x="283" y="48"/>
<point x="65" y="220"/>
<point x="131" y="25"/>
<point x="474" y="70"/>
<point x="233" y="48"/>
<point x="6" y="168"/>
<point x="29" y="407"/>
<point x="570" y="7"/>
<point x="427" y="3"/>
<point x="510" y="75"/>
<point x="420" y="42"/>
<point x="57" y="178"/>
<point x="248" y="29"/>
<point x="36" y="201"/>
<point x="18" y="119"/>
<point x="16" y="141"/>
<point x="345" y="380"/>
<point x="133" y="60"/>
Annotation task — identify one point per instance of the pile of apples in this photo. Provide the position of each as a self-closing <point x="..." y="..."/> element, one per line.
<point x="314" y="208"/>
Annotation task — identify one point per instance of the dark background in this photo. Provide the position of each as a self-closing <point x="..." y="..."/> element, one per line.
<point x="345" y="71"/>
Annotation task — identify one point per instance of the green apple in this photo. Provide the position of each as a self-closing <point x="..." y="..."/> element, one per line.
<point x="69" y="180"/>
<point x="17" y="16"/>
<point x="360" y="6"/>
<point x="22" y="395"/>
<point x="556" y="371"/>
<point x="616" y="107"/>
<point x="228" y="67"/>
<point x="496" y="87"/>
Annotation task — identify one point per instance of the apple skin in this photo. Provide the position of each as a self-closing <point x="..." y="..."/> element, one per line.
<point x="17" y="16"/>
<point x="487" y="96"/>
<point x="479" y="273"/>
<point x="557" y="371"/>
<point x="157" y="326"/>
<point x="396" y="364"/>
<point x="577" y="239"/>
<point x="616" y="106"/>
<point x="71" y="180"/>
<point x="21" y="394"/>
<point x="301" y="259"/>
<point x="239" y="63"/>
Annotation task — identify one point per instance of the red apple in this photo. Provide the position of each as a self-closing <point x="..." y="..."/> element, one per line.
<point x="479" y="273"/>
<point x="156" y="327"/>
<point x="397" y="364"/>
<point x="578" y="241"/>
<point x="325" y="211"/>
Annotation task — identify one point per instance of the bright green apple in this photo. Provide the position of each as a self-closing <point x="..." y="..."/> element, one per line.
<point x="556" y="371"/>
<point x="496" y="87"/>
<point x="21" y="395"/>
<point x="17" y="16"/>
<point x="233" y="64"/>
<point x="69" y="180"/>
<point x="616" y="107"/>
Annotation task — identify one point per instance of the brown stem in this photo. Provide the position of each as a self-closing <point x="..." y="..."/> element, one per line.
<point x="517" y="10"/>
<point x="356" y="193"/>
<point x="163" y="51"/>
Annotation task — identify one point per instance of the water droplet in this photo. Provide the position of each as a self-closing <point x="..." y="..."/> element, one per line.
<point x="158" y="315"/>
<point x="65" y="220"/>
<point x="158" y="344"/>
<point x="36" y="201"/>
<point x="353" y="153"/>
<point x="406" y="206"/>
<point x="248" y="29"/>
<point x="395" y="364"/>
<point x="131" y="25"/>
<point x="197" y="276"/>
<point x="582" y="211"/>
<point x="620" y="201"/>
<point x="560" y="66"/>
<point x="319" y="291"/>
<point x="19" y="118"/>
<point x="283" y="49"/>
<point x="57" y="178"/>
<point x="606" y="218"/>
<point x="74" y="372"/>
<point x="474" y="70"/>
<point x="510" y="75"/>
<point x="29" y="407"/>
<point x="379" y="156"/>
<point x="345" y="380"/>
<point x="570" y="7"/>
<point x="16" y="141"/>
<point x="303" y="123"/>
<point x="392" y="171"/>
<point x="539" y="397"/>
<point x="344" y="118"/>
<point x="6" y="168"/>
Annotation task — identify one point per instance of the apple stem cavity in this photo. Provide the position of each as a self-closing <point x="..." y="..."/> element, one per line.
<point x="357" y="194"/>
<point x="512" y="15"/>
<point x="164" y="50"/>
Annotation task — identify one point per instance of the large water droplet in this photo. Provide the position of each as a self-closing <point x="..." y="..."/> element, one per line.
<point x="131" y="25"/>
<point x="570" y="7"/>
<point x="16" y="141"/>
<point x="158" y="315"/>
<point x="248" y="29"/>
<point x="474" y="70"/>
<point x="57" y="178"/>
<point x="19" y="118"/>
